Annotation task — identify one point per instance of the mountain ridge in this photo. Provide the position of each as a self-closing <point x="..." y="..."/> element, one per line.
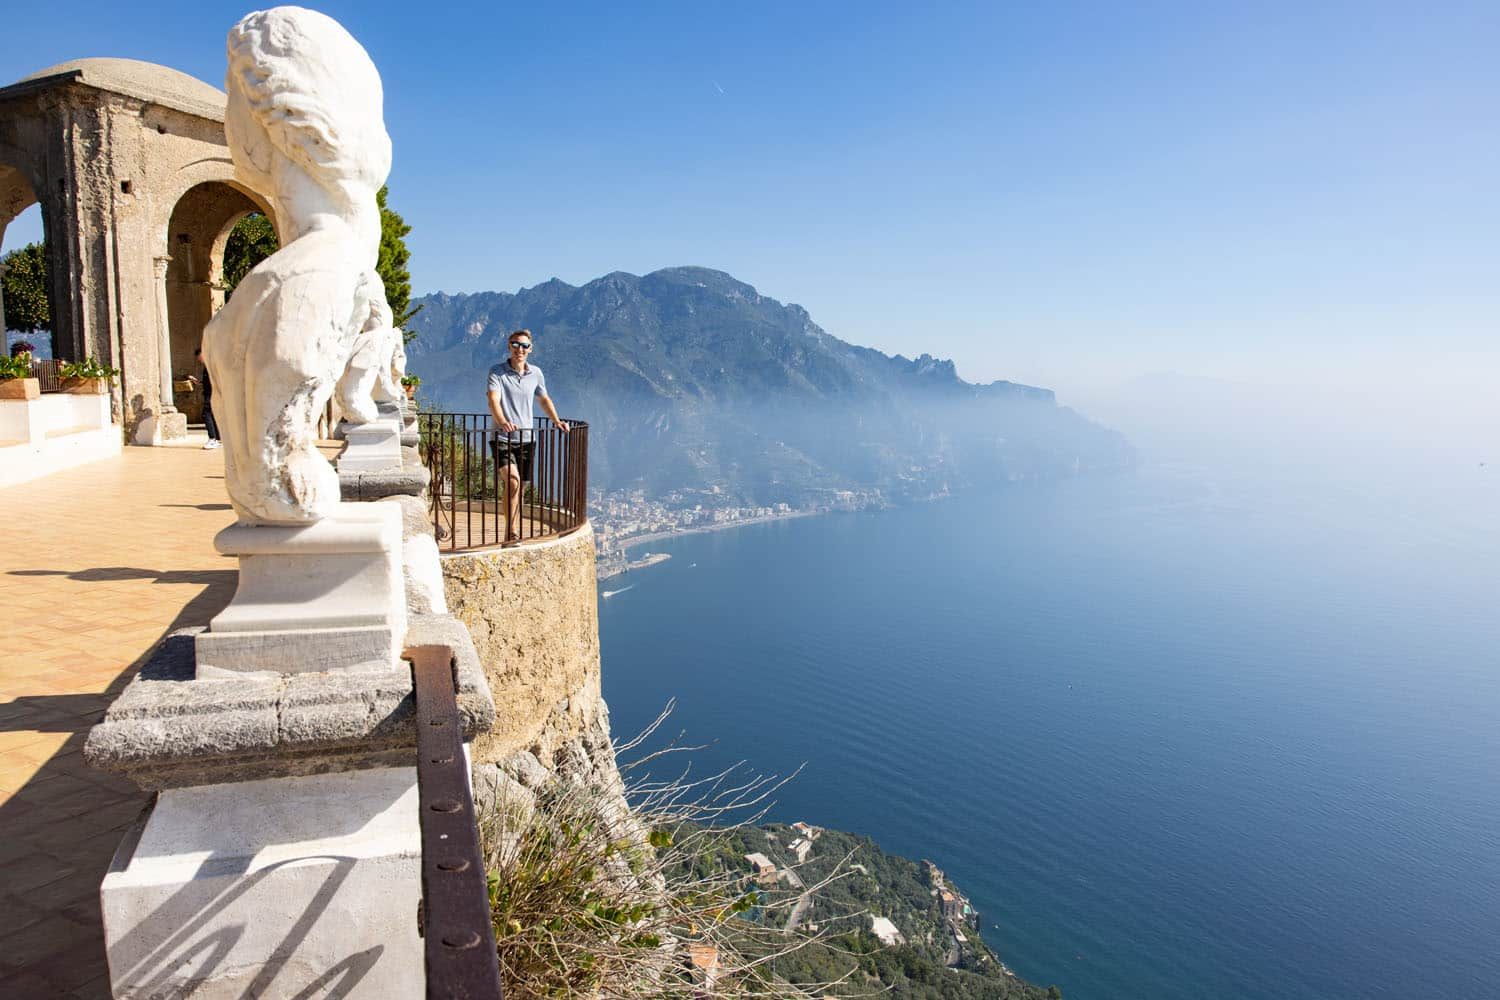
<point x="921" y="364"/>
<point x="692" y="379"/>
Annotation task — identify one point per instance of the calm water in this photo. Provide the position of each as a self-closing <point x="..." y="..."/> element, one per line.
<point x="1179" y="734"/>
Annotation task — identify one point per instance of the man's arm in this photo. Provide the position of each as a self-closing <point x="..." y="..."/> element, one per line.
<point x="546" y="401"/>
<point x="498" y="414"/>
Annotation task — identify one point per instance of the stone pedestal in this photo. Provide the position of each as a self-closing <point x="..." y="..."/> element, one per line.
<point x="371" y="447"/>
<point x="282" y="856"/>
<point x="163" y="427"/>
<point x="323" y="596"/>
<point x="282" y="887"/>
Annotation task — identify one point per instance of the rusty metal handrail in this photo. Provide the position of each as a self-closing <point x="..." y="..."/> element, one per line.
<point x="471" y="496"/>
<point x="455" y="921"/>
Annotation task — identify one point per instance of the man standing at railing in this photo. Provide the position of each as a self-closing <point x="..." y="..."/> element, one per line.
<point x="512" y="387"/>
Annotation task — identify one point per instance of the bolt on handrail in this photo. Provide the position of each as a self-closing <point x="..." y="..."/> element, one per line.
<point x="475" y="504"/>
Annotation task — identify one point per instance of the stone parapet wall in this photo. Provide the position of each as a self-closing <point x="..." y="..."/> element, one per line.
<point x="532" y="612"/>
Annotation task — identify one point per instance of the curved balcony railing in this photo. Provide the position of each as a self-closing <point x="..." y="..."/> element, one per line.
<point x="477" y="505"/>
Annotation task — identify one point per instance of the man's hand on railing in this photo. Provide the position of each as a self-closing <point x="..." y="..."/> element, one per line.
<point x="562" y="425"/>
<point x="506" y="425"/>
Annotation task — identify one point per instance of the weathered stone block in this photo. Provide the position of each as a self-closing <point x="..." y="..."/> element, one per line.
<point x="424" y="577"/>
<point x="409" y="481"/>
<point x="371" y="447"/>
<point x="416" y="516"/>
<point x="168" y="730"/>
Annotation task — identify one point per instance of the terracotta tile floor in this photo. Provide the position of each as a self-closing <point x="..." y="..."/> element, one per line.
<point x="97" y="564"/>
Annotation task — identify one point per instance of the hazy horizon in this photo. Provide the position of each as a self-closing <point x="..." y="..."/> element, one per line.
<point x="1073" y="196"/>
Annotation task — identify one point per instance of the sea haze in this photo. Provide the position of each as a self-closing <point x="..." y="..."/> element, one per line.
<point x="1181" y="732"/>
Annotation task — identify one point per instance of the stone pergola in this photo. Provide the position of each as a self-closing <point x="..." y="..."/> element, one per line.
<point x="137" y="191"/>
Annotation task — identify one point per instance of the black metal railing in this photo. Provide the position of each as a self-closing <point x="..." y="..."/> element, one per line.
<point x="477" y="504"/>
<point x="454" y="920"/>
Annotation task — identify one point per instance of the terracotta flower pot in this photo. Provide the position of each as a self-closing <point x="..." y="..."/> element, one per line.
<point x="85" y="386"/>
<point x="411" y="391"/>
<point x="20" y="388"/>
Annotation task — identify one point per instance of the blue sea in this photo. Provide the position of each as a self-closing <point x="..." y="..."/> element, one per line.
<point x="1180" y="732"/>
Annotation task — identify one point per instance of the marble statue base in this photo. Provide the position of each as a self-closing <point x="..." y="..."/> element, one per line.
<point x="162" y="428"/>
<point x="281" y="887"/>
<point x="322" y="596"/>
<point x="371" y="447"/>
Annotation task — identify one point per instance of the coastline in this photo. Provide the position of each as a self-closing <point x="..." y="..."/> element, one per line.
<point x="656" y="536"/>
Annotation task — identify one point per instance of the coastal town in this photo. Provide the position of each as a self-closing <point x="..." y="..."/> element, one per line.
<point x="626" y="519"/>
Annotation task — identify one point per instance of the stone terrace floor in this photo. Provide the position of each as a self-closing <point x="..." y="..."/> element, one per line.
<point x="97" y="564"/>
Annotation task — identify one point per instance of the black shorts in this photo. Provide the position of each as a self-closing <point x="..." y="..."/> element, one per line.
<point x="517" y="453"/>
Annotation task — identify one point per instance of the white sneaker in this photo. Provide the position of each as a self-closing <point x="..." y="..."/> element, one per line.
<point x="211" y="445"/>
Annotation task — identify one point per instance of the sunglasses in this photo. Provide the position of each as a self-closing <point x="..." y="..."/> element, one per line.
<point x="524" y="345"/>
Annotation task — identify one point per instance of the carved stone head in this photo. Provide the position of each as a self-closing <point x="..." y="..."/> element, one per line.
<point x="303" y="93"/>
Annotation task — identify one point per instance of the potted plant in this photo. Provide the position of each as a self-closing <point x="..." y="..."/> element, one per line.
<point x="15" y="377"/>
<point x="87" y="377"/>
<point x="410" y="383"/>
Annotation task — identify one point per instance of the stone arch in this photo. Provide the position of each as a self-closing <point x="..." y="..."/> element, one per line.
<point x="193" y="242"/>
<point x="113" y="148"/>
<point x="17" y="194"/>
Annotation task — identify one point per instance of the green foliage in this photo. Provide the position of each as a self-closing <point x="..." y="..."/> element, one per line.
<point x="585" y="902"/>
<point x="879" y="884"/>
<point x="550" y="894"/>
<point x="24" y="286"/>
<point x="251" y="241"/>
<point x="466" y="465"/>
<point x="18" y="366"/>
<point x="391" y="265"/>
<point x="411" y="380"/>
<point x="89" y="368"/>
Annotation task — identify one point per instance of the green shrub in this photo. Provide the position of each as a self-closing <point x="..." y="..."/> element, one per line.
<point x="91" y="367"/>
<point x="591" y="899"/>
<point x="18" y="366"/>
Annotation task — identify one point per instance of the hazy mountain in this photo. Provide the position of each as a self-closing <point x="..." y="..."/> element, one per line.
<point x="691" y="379"/>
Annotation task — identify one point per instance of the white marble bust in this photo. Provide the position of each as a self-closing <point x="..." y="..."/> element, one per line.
<point x="367" y="378"/>
<point x="305" y="129"/>
<point x="398" y="359"/>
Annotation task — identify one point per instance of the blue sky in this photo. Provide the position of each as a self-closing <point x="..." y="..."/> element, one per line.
<point x="1066" y="194"/>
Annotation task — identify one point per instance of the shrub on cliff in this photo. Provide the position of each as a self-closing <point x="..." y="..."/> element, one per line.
<point x="591" y="896"/>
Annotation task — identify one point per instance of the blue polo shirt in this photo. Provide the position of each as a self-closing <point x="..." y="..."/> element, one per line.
<point x="517" y="391"/>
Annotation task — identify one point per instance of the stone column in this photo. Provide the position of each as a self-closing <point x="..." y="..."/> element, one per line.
<point x="164" y="331"/>
<point x="165" y="423"/>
